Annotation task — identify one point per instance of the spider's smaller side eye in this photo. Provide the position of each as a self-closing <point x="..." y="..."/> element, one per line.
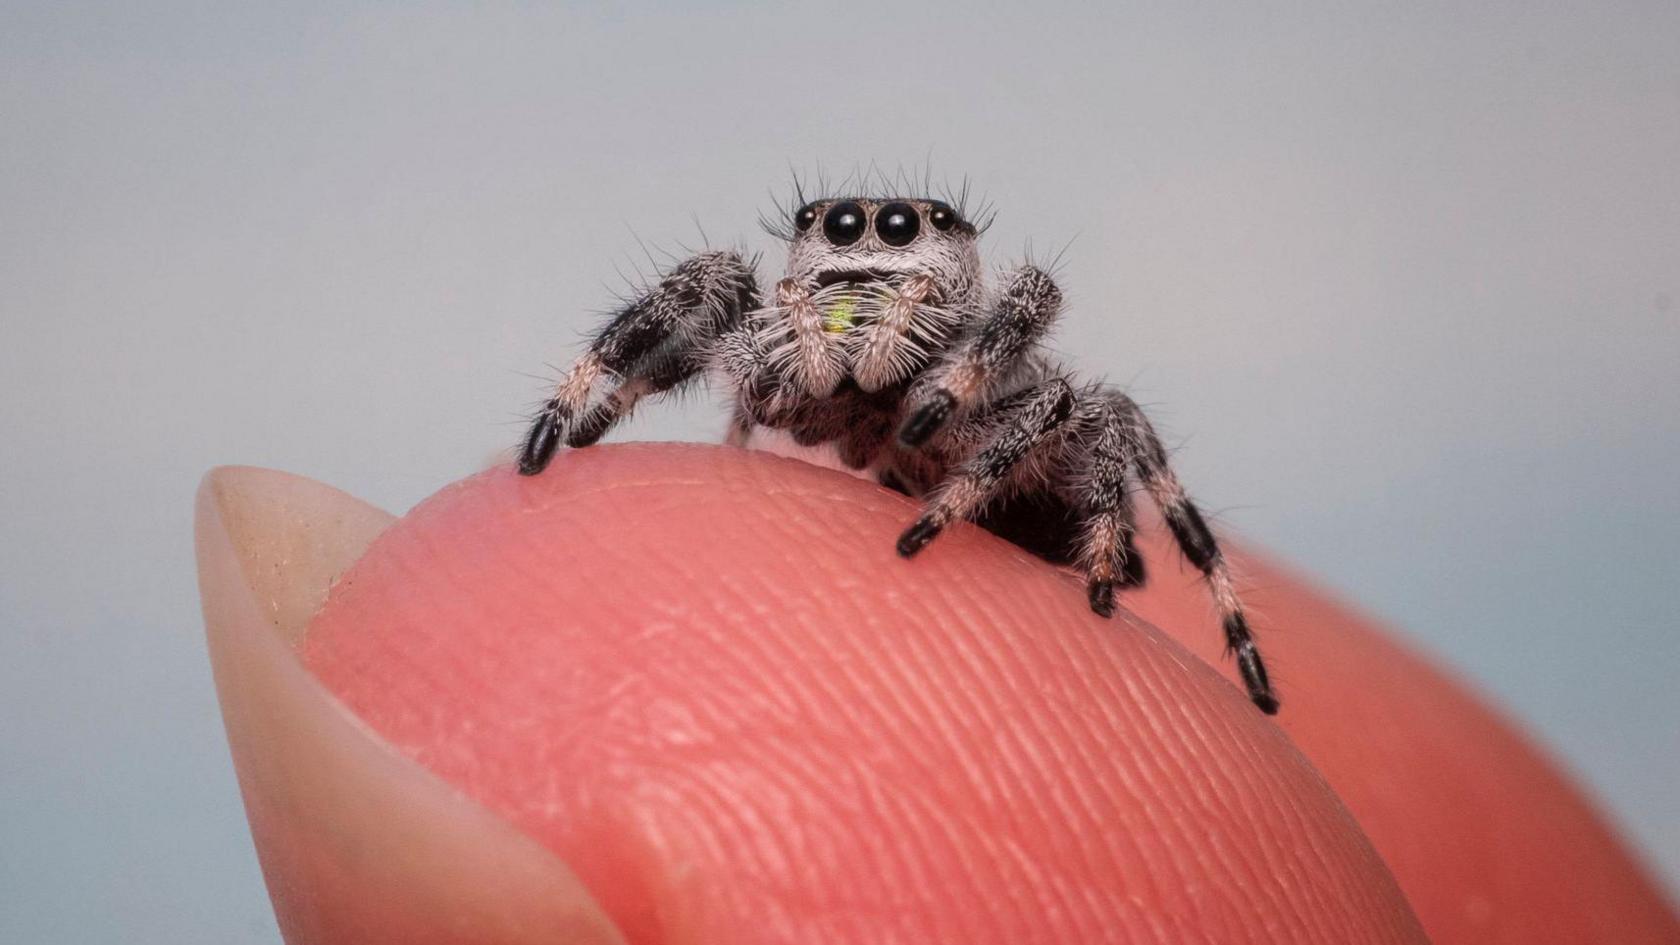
<point x="942" y="217"/>
<point x="804" y="217"/>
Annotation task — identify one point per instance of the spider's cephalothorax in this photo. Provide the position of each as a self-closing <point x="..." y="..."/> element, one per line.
<point x="883" y="341"/>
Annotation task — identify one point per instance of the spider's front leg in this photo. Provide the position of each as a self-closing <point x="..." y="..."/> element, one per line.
<point x="653" y="344"/>
<point x="1025" y="309"/>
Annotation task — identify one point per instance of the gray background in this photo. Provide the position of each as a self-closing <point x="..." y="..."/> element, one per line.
<point x="1401" y="278"/>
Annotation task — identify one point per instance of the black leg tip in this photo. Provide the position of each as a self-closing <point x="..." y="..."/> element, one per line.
<point x="540" y="444"/>
<point x="1253" y="669"/>
<point x="916" y="537"/>
<point x="927" y="420"/>
<point x="1102" y="597"/>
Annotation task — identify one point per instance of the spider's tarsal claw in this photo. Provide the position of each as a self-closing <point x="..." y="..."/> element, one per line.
<point x="540" y="443"/>
<point x="916" y="537"/>
<point x="927" y="420"/>
<point x="1101" y="592"/>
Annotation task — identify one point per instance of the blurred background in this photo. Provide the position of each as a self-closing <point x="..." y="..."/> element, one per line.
<point x="1402" y="281"/>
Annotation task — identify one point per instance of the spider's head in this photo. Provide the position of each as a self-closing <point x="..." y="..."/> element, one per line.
<point x="861" y="240"/>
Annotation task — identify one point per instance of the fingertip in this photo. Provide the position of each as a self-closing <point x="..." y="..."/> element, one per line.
<point x="703" y="679"/>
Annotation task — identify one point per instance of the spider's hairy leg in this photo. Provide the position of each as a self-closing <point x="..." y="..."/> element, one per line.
<point x="544" y="436"/>
<point x="654" y="376"/>
<point x="1196" y="541"/>
<point x="896" y="341"/>
<point x="1020" y="428"/>
<point x="1025" y="309"/>
<point x="650" y="345"/>
<point x="1107" y="548"/>
<point x="744" y="357"/>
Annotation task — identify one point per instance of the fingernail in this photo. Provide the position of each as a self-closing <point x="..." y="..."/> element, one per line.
<point x="357" y="843"/>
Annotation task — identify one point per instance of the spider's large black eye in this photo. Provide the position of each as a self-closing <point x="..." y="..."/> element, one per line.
<point x="804" y="217"/>
<point x="897" y="223"/>
<point x="844" y="223"/>
<point x="942" y="217"/>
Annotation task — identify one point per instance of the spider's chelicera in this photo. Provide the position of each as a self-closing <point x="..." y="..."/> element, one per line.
<point x="884" y="342"/>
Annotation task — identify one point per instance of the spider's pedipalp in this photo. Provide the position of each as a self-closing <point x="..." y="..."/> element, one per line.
<point x="811" y="356"/>
<point x="902" y="327"/>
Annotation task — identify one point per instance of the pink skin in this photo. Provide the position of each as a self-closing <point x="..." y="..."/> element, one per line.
<point x="701" y="681"/>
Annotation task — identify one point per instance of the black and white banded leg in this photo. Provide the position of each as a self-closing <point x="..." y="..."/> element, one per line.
<point x="653" y="344"/>
<point x="1021" y="428"/>
<point x="655" y="375"/>
<point x="1196" y="541"/>
<point x="1024" y="311"/>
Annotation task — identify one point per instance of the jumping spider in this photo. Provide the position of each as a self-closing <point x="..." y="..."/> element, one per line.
<point x="884" y="341"/>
